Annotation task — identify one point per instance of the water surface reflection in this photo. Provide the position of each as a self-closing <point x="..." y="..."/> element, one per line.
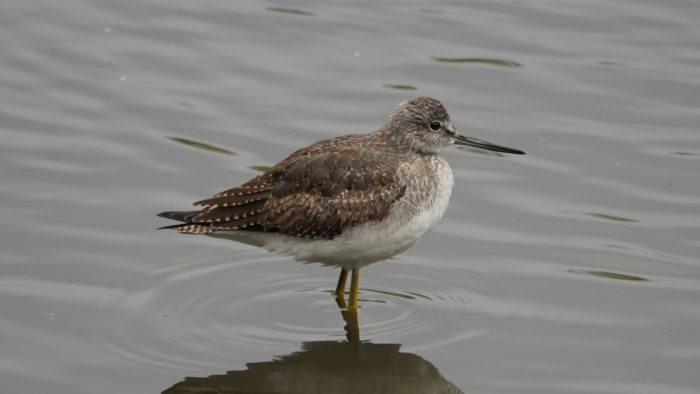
<point x="351" y="366"/>
<point x="329" y="367"/>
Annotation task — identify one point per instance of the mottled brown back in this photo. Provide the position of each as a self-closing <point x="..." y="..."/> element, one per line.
<point x="315" y="193"/>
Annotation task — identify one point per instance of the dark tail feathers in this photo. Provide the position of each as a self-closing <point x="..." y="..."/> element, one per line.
<point x="181" y="216"/>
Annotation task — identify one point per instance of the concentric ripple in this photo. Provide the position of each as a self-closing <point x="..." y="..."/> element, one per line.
<point x="266" y="303"/>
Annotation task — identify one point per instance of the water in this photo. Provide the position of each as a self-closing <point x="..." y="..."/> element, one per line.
<point x="574" y="269"/>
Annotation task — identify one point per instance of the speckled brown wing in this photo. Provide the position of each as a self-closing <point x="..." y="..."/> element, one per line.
<point x="315" y="193"/>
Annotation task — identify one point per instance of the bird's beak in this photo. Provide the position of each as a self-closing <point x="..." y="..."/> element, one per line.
<point x="469" y="141"/>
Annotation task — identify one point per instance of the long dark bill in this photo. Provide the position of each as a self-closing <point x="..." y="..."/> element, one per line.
<point x="469" y="141"/>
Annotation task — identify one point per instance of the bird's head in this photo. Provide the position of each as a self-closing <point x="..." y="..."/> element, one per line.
<point x="424" y="125"/>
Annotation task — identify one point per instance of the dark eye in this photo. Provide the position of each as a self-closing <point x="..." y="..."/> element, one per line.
<point x="435" y="125"/>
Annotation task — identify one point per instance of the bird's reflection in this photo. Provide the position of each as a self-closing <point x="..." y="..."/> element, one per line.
<point x="351" y="366"/>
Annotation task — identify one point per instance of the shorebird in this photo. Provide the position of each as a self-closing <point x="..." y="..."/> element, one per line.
<point x="347" y="201"/>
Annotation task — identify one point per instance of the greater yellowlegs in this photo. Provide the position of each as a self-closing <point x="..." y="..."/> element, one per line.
<point x="348" y="201"/>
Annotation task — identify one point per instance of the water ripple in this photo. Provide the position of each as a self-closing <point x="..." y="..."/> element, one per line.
<point x="264" y="302"/>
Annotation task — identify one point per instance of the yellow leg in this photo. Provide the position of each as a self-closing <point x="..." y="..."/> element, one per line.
<point x="340" y="288"/>
<point x="354" y="282"/>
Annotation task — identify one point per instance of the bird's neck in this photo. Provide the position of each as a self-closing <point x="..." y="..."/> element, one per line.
<point x="406" y="142"/>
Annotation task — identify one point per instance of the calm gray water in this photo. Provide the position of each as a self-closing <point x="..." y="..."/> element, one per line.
<point x="574" y="269"/>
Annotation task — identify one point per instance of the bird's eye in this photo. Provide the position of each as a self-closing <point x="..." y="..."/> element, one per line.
<point x="435" y="125"/>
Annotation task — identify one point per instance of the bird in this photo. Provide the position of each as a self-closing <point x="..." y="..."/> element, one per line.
<point x="347" y="201"/>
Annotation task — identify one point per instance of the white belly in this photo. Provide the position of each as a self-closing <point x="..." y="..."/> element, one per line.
<point x="411" y="217"/>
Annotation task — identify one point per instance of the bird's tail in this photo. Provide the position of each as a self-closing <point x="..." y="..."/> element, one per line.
<point x="180" y="216"/>
<point x="187" y="226"/>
